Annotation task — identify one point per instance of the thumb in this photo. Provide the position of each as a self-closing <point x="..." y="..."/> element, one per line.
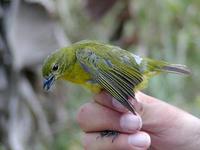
<point x="168" y="126"/>
<point x="156" y="114"/>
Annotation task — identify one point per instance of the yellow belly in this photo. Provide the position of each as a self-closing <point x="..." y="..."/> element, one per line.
<point x="95" y="88"/>
<point x="76" y="74"/>
<point x="79" y="76"/>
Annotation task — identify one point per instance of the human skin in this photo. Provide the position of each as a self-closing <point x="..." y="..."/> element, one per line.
<point x="158" y="125"/>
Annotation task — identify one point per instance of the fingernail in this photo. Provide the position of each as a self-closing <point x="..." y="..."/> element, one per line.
<point x="139" y="140"/>
<point x="118" y="105"/>
<point x="130" y="122"/>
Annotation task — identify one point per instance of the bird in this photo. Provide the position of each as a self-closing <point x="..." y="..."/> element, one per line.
<point x="99" y="66"/>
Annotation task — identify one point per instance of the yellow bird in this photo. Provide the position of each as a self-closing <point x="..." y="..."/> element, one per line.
<point x="100" y="66"/>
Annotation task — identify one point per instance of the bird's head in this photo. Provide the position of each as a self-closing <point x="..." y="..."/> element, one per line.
<point x="53" y="68"/>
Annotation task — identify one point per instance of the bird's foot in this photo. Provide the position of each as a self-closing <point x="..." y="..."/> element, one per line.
<point x="109" y="133"/>
<point x="137" y="105"/>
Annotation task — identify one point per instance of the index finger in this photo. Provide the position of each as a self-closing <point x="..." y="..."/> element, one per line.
<point x="105" y="99"/>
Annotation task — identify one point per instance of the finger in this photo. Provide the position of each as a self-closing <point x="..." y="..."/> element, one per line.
<point x="152" y="107"/>
<point x="137" y="141"/>
<point x="94" y="117"/>
<point x="107" y="100"/>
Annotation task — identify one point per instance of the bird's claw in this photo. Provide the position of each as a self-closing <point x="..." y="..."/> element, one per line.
<point x="109" y="133"/>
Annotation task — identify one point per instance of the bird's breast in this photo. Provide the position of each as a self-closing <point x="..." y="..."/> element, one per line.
<point x="76" y="74"/>
<point x="79" y="76"/>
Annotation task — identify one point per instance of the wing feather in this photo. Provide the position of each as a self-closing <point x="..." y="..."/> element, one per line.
<point x="115" y="92"/>
<point x="118" y="78"/>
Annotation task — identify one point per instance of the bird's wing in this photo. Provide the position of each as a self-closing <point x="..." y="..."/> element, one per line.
<point x="112" y="74"/>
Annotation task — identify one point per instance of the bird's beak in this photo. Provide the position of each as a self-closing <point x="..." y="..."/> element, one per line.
<point x="48" y="82"/>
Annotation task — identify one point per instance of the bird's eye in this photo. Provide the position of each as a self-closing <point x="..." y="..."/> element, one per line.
<point x="55" y="67"/>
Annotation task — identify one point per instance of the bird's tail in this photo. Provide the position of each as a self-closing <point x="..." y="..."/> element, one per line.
<point x="156" y="67"/>
<point x="176" y="68"/>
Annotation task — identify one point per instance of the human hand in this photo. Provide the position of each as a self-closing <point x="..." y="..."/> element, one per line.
<point x="168" y="126"/>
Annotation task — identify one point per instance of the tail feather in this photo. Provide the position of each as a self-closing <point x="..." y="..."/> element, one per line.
<point x="162" y="66"/>
<point x="176" y="68"/>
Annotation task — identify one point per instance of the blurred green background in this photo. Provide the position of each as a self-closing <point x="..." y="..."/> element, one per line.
<point x="31" y="119"/>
